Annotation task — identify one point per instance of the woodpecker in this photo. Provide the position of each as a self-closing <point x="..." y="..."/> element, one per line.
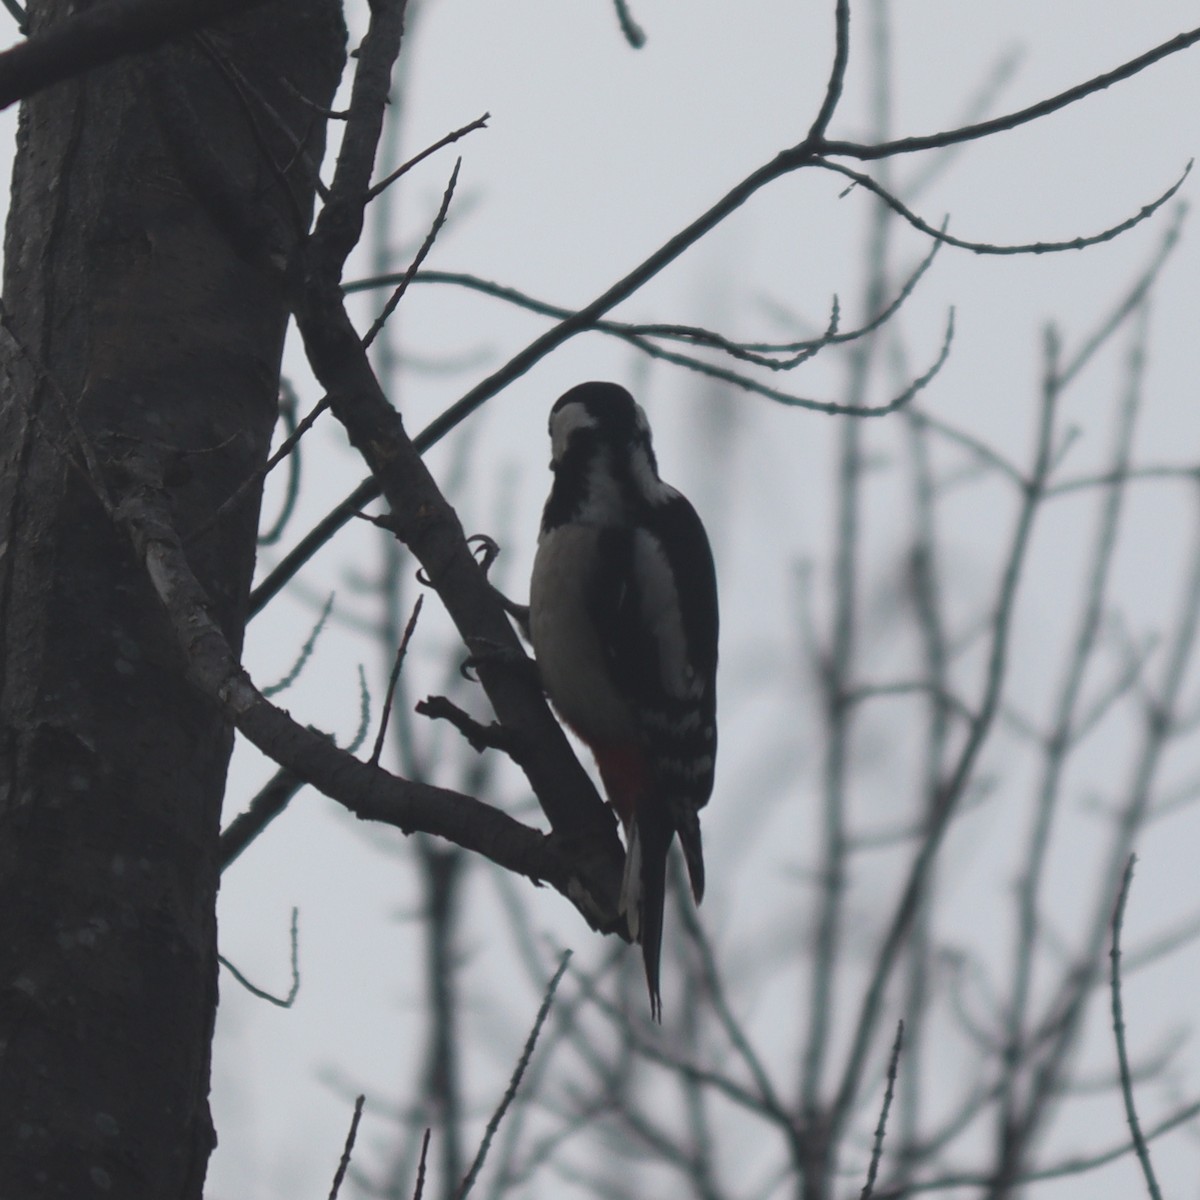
<point x="623" y="621"/>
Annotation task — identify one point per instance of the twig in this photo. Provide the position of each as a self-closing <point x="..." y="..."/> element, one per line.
<point x="427" y="245"/>
<point x="348" y="1149"/>
<point x="419" y="1189"/>
<point x="1076" y="243"/>
<point x="19" y="14"/>
<point x="881" y="1127"/>
<point x="287" y="412"/>
<point x="1056" y="744"/>
<point x="273" y="689"/>
<point x="951" y="789"/>
<point x="756" y="353"/>
<point x="288" y="1000"/>
<point x="510" y="1093"/>
<point x="634" y="34"/>
<point x="1128" y="303"/>
<point x="401" y="651"/>
<point x="968" y="133"/>
<point x="837" y="74"/>
<point x="263" y="809"/>
<point x="1065" y="1169"/>
<point x="404" y="168"/>
<point x="1118" y="1017"/>
<point x="245" y="488"/>
<point x="289" y="566"/>
<point x="478" y="736"/>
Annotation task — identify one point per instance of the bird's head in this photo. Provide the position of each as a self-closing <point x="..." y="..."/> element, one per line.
<point x="600" y="421"/>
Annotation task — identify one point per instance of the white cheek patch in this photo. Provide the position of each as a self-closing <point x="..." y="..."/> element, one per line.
<point x="646" y="479"/>
<point x="563" y="424"/>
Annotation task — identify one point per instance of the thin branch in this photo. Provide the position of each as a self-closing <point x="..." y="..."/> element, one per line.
<point x="1184" y="474"/>
<point x="827" y="407"/>
<point x="245" y="489"/>
<point x="881" y="1127"/>
<point x="837" y="74"/>
<point x="768" y="1098"/>
<point x="1062" y="1170"/>
<point x="1056" y="746"/>
<point x="515" y="1082"/>
<point x="404" y="168"/>
<point x="1128" y="303"/>
<point x="1118" y="1017"/>
<point x="841" y="662"/>
<point x="288" y="1000"/>
<point x="632" y="31"/>
<point x="348" y="1149"/>
<point x="19" y="14"/>
<point x="273" y="689"/>
<point x="951" y="789"/>
<point x="759" y="354"/>
<point x="1068" y="1007"/>
<point x="981" y="102"/>
<point x="291" y="493"/>
<point x="398" y="294"/>
<point x="289" y="566"/>
<point x="401" y="651"/>
<point x="1024" y="116"/>
<point x="1076" y="243"/>
<point x="263" y="809"/>
<point x="975" y="446"/>
<point x="369" y="490"/>
<point x="419" y="1188"/>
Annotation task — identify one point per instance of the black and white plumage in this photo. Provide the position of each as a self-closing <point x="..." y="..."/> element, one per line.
<point x="623" y="620"/>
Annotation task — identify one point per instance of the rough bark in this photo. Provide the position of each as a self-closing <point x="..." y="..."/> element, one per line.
<point x="154" y="204"/>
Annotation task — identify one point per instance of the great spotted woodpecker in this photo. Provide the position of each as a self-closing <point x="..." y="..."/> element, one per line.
<point x="623" y="620"/>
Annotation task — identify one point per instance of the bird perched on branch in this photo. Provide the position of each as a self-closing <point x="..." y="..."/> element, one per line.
<point x="623" y="620"/>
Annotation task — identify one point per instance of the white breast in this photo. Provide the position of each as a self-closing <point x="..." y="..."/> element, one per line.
<point x="568" y="651"/>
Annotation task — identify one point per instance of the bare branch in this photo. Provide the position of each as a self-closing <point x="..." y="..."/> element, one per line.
<point x="348" y="1149"/>
<point x="515" y="1082"/>
<point x="367" y="791"/>
<point x="1076" y="243"/>
<point x="633" y="32"/>
<point x="398" y="294"/>
<point x="1118" y="1018"/>
<point x="449" y="139"/>
<point x="271" y="800"/>
<point x="1024" y="116"/>
<point x="279" y="1002"/>
<point x="837" y="74"/>
<point x="881" y="1127"/>
<point x="952" y="788"/>
<point x="401" y="651"/>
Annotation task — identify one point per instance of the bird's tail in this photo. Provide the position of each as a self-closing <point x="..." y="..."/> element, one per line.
<point x="687" y="824"/>
<point x="643" y="893"/>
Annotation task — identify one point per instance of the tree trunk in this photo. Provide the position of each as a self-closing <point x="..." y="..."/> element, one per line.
<point x="154" y="204"/>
